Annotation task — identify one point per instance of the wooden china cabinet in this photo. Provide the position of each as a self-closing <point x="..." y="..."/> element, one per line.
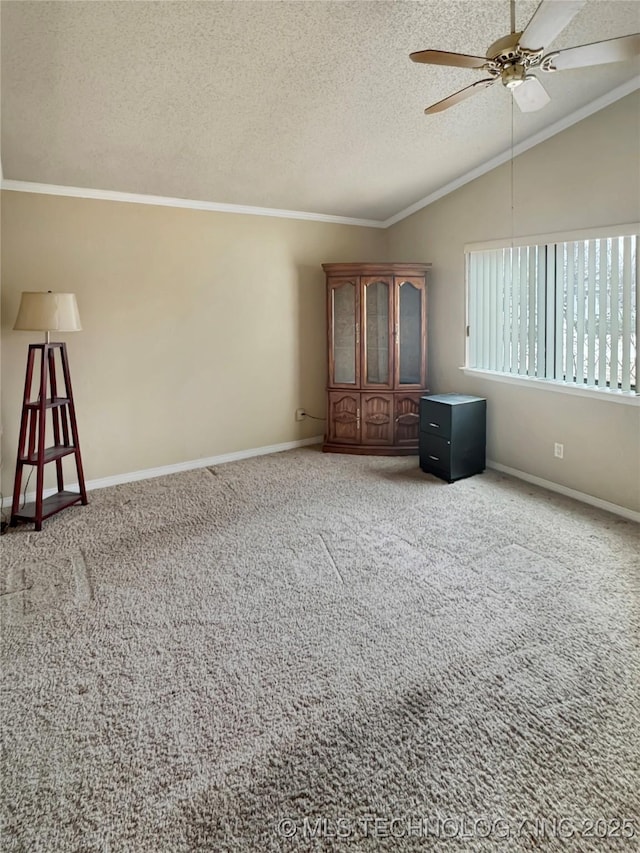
<point x="377" y="344"/>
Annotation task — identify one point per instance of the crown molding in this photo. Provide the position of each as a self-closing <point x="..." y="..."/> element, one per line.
<point x="564" y="123"/>
<point x="189" y="204"/>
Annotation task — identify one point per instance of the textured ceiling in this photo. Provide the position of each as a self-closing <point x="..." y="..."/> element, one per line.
<point x="306" y="105"/>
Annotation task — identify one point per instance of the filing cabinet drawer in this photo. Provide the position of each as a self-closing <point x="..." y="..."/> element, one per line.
<point x="435" y="417"/>
<point x="435" y="453"/>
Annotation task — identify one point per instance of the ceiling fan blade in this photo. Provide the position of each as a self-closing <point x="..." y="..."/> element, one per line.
<point x="443" y="57"/>
<point x="462" y="95"/>
<point x="548" y="21"/>
<point x="530" y="95"/>
<point x="597" y="53"/>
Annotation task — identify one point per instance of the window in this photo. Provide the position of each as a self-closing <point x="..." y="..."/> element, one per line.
<point x="563" y="311"/>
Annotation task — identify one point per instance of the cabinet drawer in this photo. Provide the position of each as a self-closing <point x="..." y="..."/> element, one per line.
<point x="435" y="453"/>
<point x="435" y="417"/>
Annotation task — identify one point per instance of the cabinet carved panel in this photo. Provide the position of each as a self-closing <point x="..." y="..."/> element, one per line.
<point x="344" y="417"/>
<point x="377" y="349"/>
<point x="377" y="419"/>
<point x="407" y="419"/>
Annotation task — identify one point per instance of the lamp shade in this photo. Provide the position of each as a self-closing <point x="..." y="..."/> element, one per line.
<point x="48" y="312"/>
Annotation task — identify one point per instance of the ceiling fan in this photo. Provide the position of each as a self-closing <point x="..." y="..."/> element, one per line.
<point x="511" y="58"/>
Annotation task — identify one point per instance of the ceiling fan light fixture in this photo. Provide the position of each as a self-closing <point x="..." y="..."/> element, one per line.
<point x="513" y="75"/>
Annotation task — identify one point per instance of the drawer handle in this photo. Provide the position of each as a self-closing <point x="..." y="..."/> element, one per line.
<point x="435" y="458"/>
<point x="437" y="426"/>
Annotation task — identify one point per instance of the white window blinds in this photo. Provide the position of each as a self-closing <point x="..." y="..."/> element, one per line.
<point x="561" y="311"/>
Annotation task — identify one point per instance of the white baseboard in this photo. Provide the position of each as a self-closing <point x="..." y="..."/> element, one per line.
<point x="191" y="465"/>
<point x="565" y="490"/>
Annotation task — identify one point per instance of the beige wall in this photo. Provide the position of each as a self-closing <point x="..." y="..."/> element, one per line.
<point x="203" y="332"/>
<point x="586" y="176"/>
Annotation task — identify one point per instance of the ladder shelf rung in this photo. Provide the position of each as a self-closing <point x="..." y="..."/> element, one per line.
<point x="50" y="505"/>
<point x="50" y="454"/>
<point x="49" y="403"/>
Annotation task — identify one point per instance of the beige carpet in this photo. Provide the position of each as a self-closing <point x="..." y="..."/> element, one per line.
<point x="321" y="652"/>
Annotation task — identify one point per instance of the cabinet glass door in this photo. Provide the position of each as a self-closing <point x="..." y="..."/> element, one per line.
<point x="377" y="332"/>
<point x="411" y="333"/>
<point x="343" y="333"/>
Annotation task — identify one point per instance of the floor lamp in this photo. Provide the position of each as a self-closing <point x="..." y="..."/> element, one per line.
<point x="47" y="312"/>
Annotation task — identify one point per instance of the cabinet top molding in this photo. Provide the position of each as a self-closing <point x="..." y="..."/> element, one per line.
<point x="377" y="268"/>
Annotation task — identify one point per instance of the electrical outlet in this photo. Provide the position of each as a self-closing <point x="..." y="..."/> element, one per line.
<point x="558" y="450"/>
<point x="300" y="414"/>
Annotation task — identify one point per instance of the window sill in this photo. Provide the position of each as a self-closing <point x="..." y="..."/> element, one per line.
<point x="624" y="397"/>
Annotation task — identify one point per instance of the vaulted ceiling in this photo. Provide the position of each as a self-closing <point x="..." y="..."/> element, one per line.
<point x="306" y="105"/>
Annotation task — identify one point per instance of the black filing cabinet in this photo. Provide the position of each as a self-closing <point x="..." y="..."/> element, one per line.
<point x="452" y="435"/>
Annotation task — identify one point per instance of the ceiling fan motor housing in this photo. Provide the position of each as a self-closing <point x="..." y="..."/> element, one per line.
<point x="505" y="49"/>
<point x="509" y="61"/>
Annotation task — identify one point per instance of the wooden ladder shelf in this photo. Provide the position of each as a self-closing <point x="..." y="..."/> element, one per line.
<point x="32" y="449"/>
